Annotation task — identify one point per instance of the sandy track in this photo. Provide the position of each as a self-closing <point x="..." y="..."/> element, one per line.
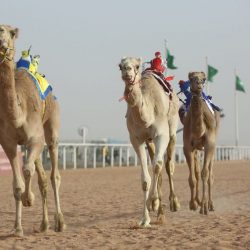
<point x="102" y="205"/>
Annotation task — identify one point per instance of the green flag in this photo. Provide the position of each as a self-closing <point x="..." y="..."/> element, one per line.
<point x="239" y="84"/>
<point x="211" y="72"/>
<point x="170" y="61"/>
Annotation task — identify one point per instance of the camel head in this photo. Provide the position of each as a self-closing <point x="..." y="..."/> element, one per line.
<point x="129" y="67"/>
<point x="7" y="39"/>
<point x="197" y="81"/>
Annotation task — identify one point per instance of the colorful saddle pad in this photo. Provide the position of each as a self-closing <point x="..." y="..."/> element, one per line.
<point x="42" y="84"/>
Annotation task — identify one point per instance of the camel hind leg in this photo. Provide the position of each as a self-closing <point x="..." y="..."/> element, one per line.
<point x="211" y="176"/>
<point x="151" y="150"/>
<point x="170" y="161"/>
<point x="170" y="167"/>
<point x="51" y="128"/>
<point x="43" y="186"/>
<point x="210" y="183"/>
<point x="161" y="218"/>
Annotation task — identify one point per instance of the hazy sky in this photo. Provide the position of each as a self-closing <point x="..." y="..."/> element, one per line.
<point x="81" y="43"/>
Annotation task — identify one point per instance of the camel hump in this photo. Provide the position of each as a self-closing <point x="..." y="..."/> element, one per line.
<point x="160" y="79"/>
<point x="147" y="75"/>
<point x="42" y="85"/>
<point x="21" y="74"/>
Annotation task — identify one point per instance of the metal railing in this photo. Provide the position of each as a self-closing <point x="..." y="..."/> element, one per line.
<point x="93" y="155"/>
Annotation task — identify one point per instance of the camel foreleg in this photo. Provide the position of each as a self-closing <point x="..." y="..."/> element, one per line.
<point x="145" y="180"/>
<point x="18" y="188"/>
<point x="206" y="174"/>
<point x="160" y="145"/>
<point x="197" y="176"/>
<point x="208" y="158"/>
<point x="193" y="205"/>
<point x="35" y="148"/>
<point x="160" y="214"/>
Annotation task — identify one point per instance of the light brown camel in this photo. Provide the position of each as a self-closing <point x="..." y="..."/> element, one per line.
<point x="199" y="133"/>
<point x="24" y="121"/>
<point x="151" y="116"/>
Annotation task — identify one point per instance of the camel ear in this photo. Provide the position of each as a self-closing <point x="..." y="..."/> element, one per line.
<point x="190" y="75"/>
<point x="14" y="33"/>
<point x="139" y="60"/>
<point x="123" y="59"/>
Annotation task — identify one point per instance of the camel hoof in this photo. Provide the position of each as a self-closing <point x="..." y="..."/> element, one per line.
<point x="174" y="204"/>
<point x="59" y="223"/>
<point x="17" y="232"/>
<point x="193" y="205"/>
<point x="28" y="200"/>
<point x="44" y="226"/>
<point x="161" y="219"/>
<point x="210" y="206"/>
<point x="145" y="223"/>
<point x="204" y="208"/>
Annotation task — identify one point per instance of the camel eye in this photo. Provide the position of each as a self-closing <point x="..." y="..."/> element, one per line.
<point x="137" y="67"/>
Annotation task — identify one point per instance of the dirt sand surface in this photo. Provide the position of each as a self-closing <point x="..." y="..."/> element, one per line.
<point x="102" y="206"/>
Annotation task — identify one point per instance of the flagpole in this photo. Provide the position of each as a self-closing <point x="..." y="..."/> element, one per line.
<point x="207" y="87"/>
<point x="236" y="114"/>
<point x="165" y="46"/>
<point x="166" y="54"/>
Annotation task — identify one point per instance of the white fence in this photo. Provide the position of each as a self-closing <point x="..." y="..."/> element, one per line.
<point x="89" y="155"/>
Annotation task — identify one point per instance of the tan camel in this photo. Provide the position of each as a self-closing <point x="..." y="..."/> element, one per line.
<point x="151" y="116"/>
<point x="24" y="121"/>
<point x="199" y="133"/>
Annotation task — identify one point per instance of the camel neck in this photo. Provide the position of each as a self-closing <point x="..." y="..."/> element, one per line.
<point x="133" y="95"/>
<point x="197" y="115"/>
<point x="196" y="101"/>
<point x="140" y="112"/>
<point x="8" y="94"/>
